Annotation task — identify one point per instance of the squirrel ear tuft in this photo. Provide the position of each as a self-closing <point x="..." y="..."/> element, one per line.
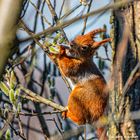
<point x="95" y="45"/>
<point x="94" y="32"/>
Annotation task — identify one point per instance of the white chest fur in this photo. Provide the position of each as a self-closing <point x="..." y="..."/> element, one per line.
<point x="81" y="79"/>
<point x="71" y="83"/>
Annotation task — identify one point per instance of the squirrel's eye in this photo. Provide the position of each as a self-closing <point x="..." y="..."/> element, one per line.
<point x="72" y="43"/>
<point x="84" y="48"/>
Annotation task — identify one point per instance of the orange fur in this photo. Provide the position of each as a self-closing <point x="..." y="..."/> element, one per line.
<point x="88" y="99"/>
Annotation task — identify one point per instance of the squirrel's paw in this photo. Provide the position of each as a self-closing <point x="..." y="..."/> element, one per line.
<point x="64" y="114"/>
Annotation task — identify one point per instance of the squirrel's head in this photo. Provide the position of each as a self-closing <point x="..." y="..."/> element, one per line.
<point x="84" y="46"/>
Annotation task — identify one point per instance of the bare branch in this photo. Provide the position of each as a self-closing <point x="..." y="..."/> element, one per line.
<point x="69" y="22"/>
<point x="43" y="100"/>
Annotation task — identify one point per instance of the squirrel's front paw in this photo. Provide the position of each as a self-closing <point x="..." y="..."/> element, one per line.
<point x="64" y="114"/>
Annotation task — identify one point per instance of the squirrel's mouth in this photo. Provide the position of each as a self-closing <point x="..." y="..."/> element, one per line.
<point x="70" y="52"/>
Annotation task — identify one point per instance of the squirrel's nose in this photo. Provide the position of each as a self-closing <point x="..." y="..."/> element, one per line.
<point x="65" y="46"/>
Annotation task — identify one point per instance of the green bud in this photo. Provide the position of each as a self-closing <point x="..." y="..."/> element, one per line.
<point x="11" y="96"/>
<point x="12" y="80"/>
<point x="16" y="93"/>
<point x="4" y="88"/>
<point x="62" y="40"/>
<point x="53" y="50"/>
<point x="7" y="135"/>
<point x="15" y="109"/>
<point x="48" y="44"/>
<point x="57" y="38"/>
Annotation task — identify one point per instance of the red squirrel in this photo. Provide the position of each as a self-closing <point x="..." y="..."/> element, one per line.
<point x="88" y="99"/>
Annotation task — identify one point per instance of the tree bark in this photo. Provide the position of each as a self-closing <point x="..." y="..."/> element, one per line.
<point x="130" y="16"/>
<point x="133" y="57"/>
<point x="9" y="15"/>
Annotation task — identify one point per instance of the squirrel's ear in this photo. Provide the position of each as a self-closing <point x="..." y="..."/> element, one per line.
<point x="94" y="32"/>
<point x="95" y="45"/>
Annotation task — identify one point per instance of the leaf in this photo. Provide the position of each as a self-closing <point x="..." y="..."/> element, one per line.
<point x="56" y="38"/>
<point x="7" y="135"/>
<point x="53" y="50"/>
<point x="4" y="88"/>
<point x="48" y="44"/>
<point x="62" y="40"/>
<point x="16" y="93"/>
<point x="12" y="80"/>
<point x="11" y="96"/>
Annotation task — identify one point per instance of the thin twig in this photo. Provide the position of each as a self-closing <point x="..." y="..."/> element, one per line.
<point x="85" y="20"/>
<point x="61" y="9"/>
<point x="40" y="13"/>
<point x="6" y="124"/>
<point x="54" y="15"/>
<point x="17" y="132"/>
<point x="70" y="12"/>
<point x="69" y="22"/>
<point x="57" y="127"/>
<point x="126" y="87"/>
<point x="45" y="49"/>
<point x="42" y="21"/>
<point x="20" y="126"/>
<point x="38" y="114"/>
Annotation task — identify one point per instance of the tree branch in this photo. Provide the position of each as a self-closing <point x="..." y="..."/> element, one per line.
<point x="69" y="22"/>
<point x="40" y="99"/>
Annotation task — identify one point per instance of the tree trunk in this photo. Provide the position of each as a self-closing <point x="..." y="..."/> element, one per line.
<point x="133" y="57"/>
<point x="9" y="14"/>
<point x="128" y="16"/>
